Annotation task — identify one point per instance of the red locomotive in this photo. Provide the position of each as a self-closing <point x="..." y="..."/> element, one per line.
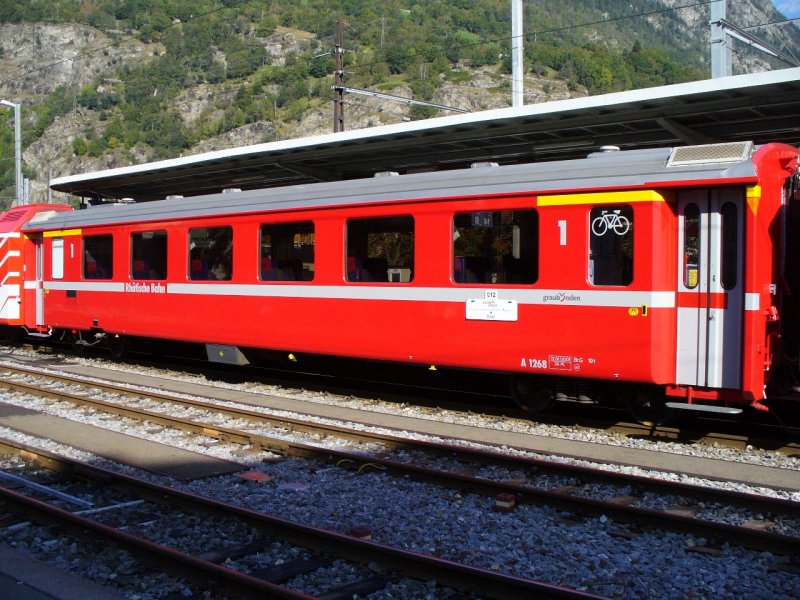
<point x="14" y="282"/>
<point x="666" y="276"/>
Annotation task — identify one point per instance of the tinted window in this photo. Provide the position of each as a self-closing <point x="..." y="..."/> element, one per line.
<point x="691" y="246"/>
<point x="287" y="252"/>
<point x="730" y="246"/>
<point x="611" y="245"/>
<point x="380" y="249"/>
<point x="149" y="255"/>
<point x="496" y="247"/>
<point x="98" y="251"/>
<point x="211" y="253"/>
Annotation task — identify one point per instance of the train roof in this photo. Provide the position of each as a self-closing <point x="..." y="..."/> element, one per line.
<point x="601" y="170"/>
<point x="13" y="219"/>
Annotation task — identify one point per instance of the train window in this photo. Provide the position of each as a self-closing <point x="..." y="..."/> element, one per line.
<point x="149" y="255"/>
<point x="287" y="252"/>
<point x="380" y="249"/>
<point x="691" y="246"/>
<point x="730" y="252"/>
<point x="57" y="263"/>
<point x="98" y="251"/>
<point x="211" y="253"/>
<point x="496" y="247"/>
<point x="611" y="245"/>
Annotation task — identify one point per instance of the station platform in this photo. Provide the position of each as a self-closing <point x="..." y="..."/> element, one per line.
<point x="24" y="577"/>
<point x="136" y="452"/>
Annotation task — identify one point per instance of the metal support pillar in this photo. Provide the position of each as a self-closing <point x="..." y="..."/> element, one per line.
<point x="721" y="51"/>
<point x="517" y="71"/>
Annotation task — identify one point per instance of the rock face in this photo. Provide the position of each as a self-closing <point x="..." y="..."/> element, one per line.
<point x="35" y="58"/>
<point x="42" y="56"/>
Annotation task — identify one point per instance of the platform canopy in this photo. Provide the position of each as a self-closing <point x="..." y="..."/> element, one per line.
<point x="762" y="107"/>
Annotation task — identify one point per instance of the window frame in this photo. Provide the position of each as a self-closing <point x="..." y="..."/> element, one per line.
<point x="106" y="264"/>
<point x="57" y="258"/>
<point x="280" y="274"/>
<point x="133" y="253"/>
<point x="729" y="246"/>
<point x="520" y="247"/>
<point x="368" y="269"/>
<point x="209" y="262"/>
<point x="621" y="225"/>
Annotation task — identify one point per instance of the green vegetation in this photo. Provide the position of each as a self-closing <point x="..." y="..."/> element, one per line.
<point x="418" y="42"/>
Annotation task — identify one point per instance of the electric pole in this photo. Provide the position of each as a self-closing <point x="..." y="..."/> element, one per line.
<point x="17" y="149"/>
<point x="338" y="80"/>
<point x="517" y="70"/>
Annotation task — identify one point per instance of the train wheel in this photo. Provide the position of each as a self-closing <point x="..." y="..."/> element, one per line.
<point x="649" y="407"/>
<point x="118" y="346"/>
<point x="531" y="394"/>
<point x="78" y="347"/>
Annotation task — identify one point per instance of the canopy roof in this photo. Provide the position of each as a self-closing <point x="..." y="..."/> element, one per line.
<point x="761" y="107"/>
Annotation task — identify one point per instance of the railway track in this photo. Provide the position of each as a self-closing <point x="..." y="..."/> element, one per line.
<point x="156" y="507"/>
<point x="487" y="394"/>
<point x="482" y="396"/>
<point x="511" y="481"/>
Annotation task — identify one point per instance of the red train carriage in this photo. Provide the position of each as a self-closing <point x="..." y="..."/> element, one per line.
<point x="13" y="278"/>
<point x="657" y="273"/>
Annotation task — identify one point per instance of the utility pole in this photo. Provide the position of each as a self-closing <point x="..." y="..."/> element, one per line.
<point x="721" y="51"/>
<point x="722" y="35"/>
<point x="338" y="80"/>
<point x="517" y="97"/>
<point x="17" y="148"/>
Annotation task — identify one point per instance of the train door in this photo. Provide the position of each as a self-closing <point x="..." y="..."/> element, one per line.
<point x="710" y="288"/>
<point x="39" y="281"/>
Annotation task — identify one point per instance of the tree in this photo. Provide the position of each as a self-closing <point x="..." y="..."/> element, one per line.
<point x="398" y="57"/>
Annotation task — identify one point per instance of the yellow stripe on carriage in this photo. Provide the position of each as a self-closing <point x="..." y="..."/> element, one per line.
<point x="625" y="197"/>
<point x="62" y="233"/>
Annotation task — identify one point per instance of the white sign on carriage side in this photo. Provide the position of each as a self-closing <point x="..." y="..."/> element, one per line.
<point x="491" y="308"/>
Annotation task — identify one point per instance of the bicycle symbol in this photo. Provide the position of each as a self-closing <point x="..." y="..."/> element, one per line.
<point x="614" y="221"/>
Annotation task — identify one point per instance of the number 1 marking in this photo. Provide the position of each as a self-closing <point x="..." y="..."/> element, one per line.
<point x="562" y="228"/>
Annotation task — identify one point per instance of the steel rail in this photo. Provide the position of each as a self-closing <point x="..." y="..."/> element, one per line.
<point x="420" y="566"/>
<point x="165" y="557"/>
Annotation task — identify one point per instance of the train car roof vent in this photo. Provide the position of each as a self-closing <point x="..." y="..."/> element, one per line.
<point x="13" y="215"/>
<point x="387" y="174"/>
<point x="482" y="165"/>
<point x="231" y="190"/>
<point x="710" y="154"/>
<point x="43" y="216"/>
